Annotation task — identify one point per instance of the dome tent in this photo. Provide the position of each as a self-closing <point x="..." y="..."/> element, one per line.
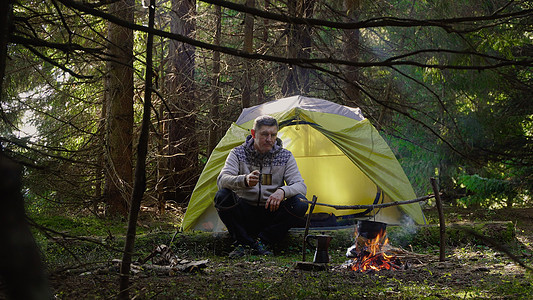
<point x="341" y="156"/>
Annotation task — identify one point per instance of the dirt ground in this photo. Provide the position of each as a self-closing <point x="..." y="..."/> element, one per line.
<point x="265" y="278"/>
<point x="470" y="271"/>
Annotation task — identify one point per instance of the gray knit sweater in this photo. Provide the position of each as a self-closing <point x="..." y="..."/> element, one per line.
<point x="244" y="159"/>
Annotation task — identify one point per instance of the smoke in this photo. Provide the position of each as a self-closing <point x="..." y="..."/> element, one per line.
<point x="404" y="234"/>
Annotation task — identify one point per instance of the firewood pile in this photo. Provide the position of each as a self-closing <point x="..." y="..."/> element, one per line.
<point x="161" y="261"/>
<point x="402" y="260"/>
<point x="166" y="262"/>
<point x="369" y="260"/>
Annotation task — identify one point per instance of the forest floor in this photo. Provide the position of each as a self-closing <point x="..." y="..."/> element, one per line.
<point x="471" y="270"/>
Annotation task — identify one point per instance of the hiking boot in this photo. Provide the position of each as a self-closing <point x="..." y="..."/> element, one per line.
<point x="261" y="249"/>
<point x="239" y="251"/>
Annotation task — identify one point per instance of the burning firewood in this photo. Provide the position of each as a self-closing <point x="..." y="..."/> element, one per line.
<point x="371" y="250"/>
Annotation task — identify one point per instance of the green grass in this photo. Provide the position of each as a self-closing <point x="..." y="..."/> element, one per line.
<point x="473" y="270"/>
<point x="259" y="278"/>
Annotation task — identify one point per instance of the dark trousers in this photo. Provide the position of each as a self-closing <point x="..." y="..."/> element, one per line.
<point x="245" y="221"/>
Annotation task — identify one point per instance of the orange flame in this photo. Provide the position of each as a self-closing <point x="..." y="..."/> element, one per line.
<point x="372" y="255"/>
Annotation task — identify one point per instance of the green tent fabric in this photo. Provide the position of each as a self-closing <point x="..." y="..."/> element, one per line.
<point x="341" y="156"/>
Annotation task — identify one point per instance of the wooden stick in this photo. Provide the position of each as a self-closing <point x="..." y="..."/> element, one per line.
<point x="307" y="225"/>
<point x="374" y="205"/>
<point x="442" y="224"/>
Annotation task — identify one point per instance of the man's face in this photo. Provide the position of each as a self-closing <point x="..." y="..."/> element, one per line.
<point x="264" y="138"/>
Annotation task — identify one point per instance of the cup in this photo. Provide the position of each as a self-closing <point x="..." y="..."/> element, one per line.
<point x="265" y="179"/>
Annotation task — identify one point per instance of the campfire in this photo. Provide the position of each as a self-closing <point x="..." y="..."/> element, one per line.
<point x="371" y="250"/>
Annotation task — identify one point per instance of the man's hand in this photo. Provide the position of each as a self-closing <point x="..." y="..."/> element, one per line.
<point x="275" y="199"/>
<point x="253" y="178"/>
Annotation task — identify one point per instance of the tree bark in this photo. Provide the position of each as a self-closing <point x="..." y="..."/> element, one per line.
<point x="101" y="153"/>
<point x="183" y="143"/>
<point x="215" y="95"/>
<point x="298" y="46"/>
<point x="6" y="20"/>
<point x="140" y="168"/>
<point x="289" y="86"/>
<point x="307" y="10"/>
<point x="248" y="48"/>
<point x="262" y="78"/>
<point x="352" y="52"/>
<point x="119" y="127"/>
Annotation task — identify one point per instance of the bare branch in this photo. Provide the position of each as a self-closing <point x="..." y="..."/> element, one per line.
<point x="56" y="64"/>
<point x="70" y="47"/>
<point x="446" y="24"/>
<point x="305" y="63"/>
<point x="373" y="206"/>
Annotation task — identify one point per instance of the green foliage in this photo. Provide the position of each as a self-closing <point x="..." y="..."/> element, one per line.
<point x="438" y="120"/>
<point x="486" y="191"/>
<point x="80" y="226"/>
<point x="418" y="162"/>
<point x="480" y="120"/>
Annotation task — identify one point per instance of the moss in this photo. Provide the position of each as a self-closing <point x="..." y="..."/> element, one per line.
<point x="81" y="226"/>
<point x="481" y="233"/>
<point x="204" y="243"/>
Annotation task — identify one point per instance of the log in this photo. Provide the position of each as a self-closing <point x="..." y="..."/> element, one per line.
<point x="458" y="234"/>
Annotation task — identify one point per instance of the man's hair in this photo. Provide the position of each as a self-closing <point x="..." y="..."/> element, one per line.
<point x="265" y="120"/>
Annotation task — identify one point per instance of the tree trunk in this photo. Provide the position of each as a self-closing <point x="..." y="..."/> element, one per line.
<point x="352" y="52"/>
<point x="262" y="78"/>
<point x="289" y="86"/>
<point x="6" y="19"/>
<point x="183" y="143"/>
<point x="307" y="11"/>
<point x="101" y="152"/>
<point x="21" y="269"/>
<point x="298" y="46"/>
<point x="161" y="132"/>
<point x="162" y="162"/>
<point x="140" y="167"/>
<point x="215" y="96"/>
<point x="119" y="129"/>
<point x="248" y="47"/>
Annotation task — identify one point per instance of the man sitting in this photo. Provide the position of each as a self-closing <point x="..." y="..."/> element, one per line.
<point x="260" y="188"/>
